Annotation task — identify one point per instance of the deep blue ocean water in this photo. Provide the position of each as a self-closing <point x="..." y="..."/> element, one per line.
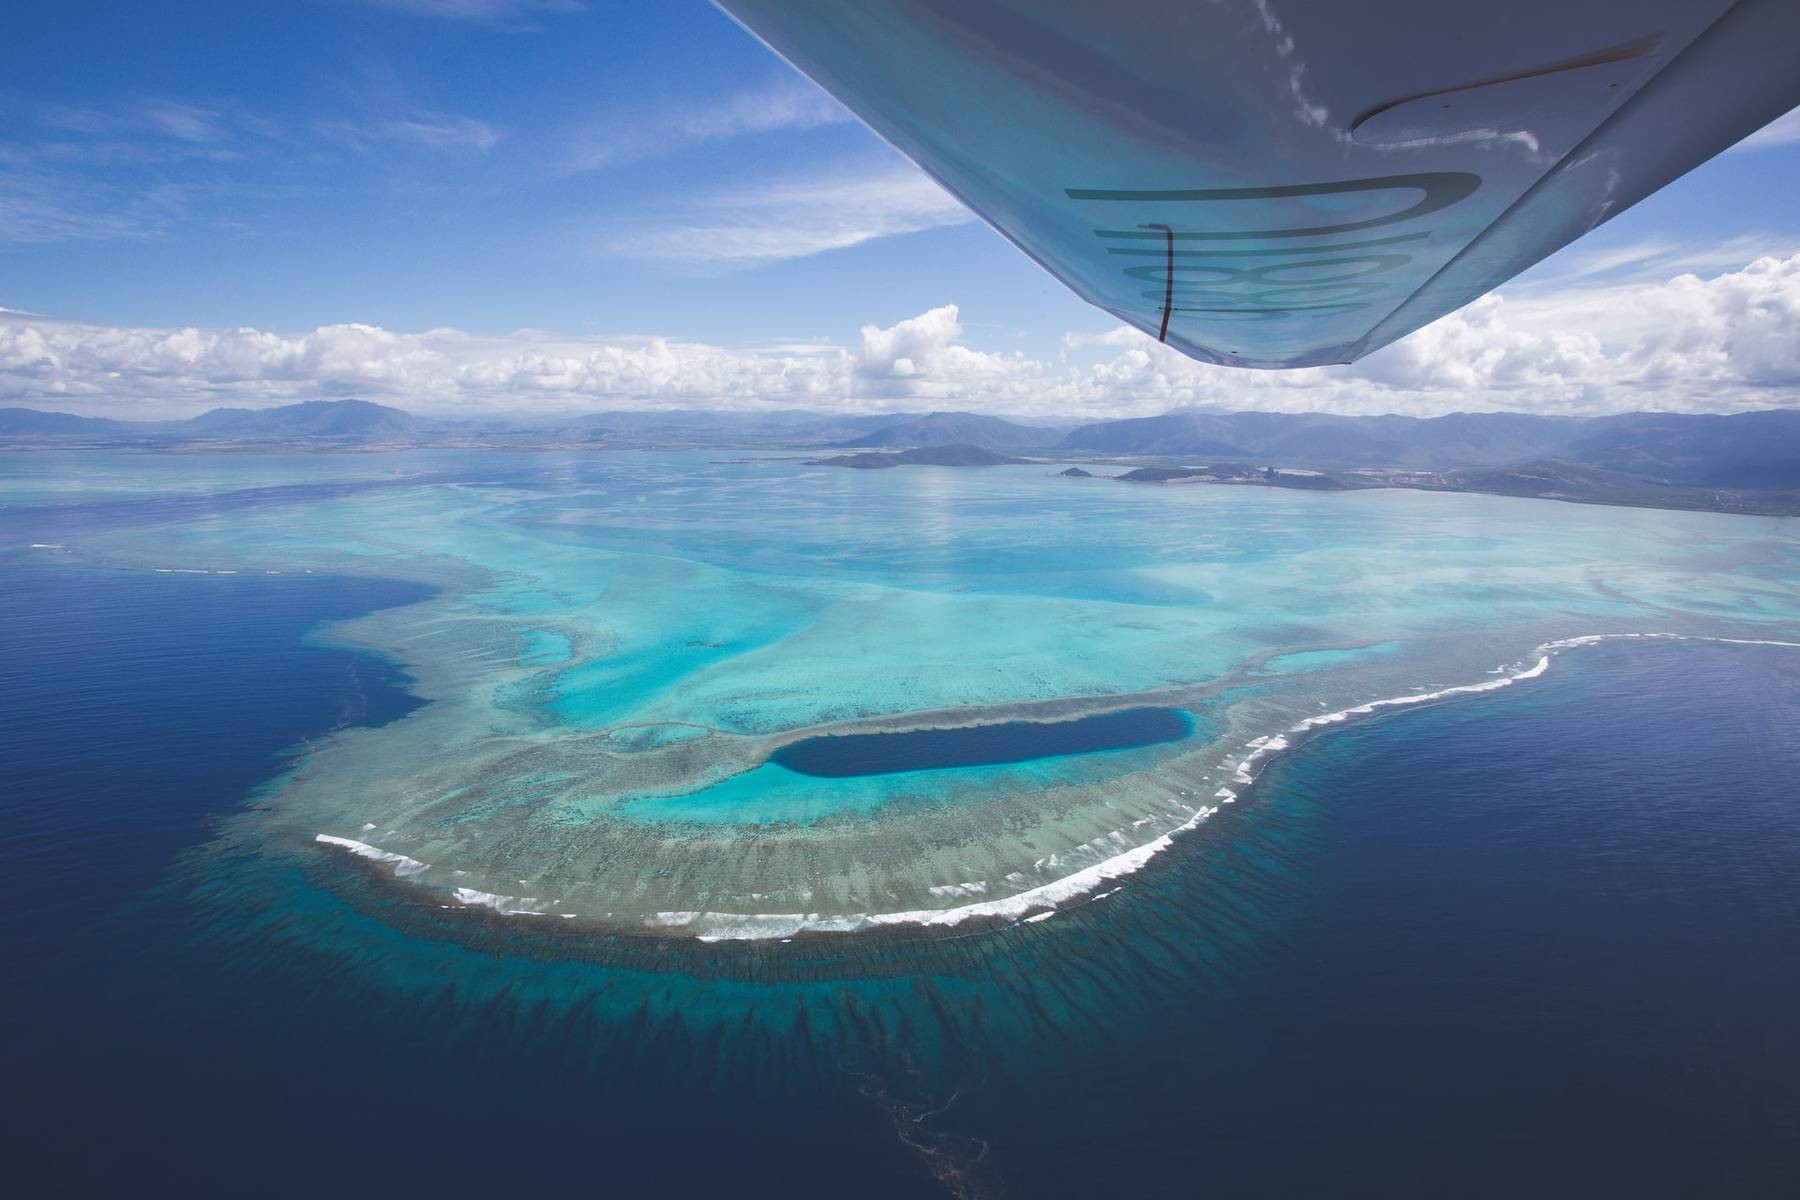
<point x="1535" y="943"/>
<point x="135" y="710"/>
<point x="1538" y="942"/>
<point x="138" y="707"/>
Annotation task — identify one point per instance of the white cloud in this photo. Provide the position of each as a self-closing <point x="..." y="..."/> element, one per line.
<point x="924" y="356"/>
<point x="617" y="137"/>
<point x="127" y="371"/>
<point x="417" y="127"/>
<point x="186" y="122"/>
<point x="444" y="131"/>
<point x="42" y="202"/>
<point x="143" y="166"/>
<point x="1694" y="344"/>
<point x="488" y="12"/>
<point x="378" y="112"/>
<point x="793" y="218"/>
<point x="1690" y="344"/>
<point x="34" y="211"/>
<point x="1123" y="335"/>
<point x="1655" y="259"/>
<point x="909" y="347"/>
<point x="151" y="116"/>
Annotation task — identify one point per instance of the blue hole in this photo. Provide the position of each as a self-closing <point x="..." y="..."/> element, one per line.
<point x="843" y="755"/>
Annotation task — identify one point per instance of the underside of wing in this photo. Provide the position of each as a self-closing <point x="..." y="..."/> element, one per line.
<point x="1283" y="183"/>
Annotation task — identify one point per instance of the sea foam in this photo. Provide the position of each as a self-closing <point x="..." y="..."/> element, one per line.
<point x="403" y="866"/>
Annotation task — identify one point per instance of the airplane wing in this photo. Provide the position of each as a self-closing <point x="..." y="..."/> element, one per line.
<point x="1284" y="183"/>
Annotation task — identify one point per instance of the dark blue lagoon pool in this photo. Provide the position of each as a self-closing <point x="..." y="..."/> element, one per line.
<point x="842" y="755"/>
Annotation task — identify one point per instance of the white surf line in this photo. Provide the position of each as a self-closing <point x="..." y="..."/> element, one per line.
<point x="726" y="926"/>
<point x="1591" y="638"/>
<point x="506" y="906"/>
<point x="719" y="926"/>
<point x="403" y="866"/>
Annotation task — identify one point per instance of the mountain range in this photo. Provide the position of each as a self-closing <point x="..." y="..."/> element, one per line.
<point x="959" y="429"/>
<point x="1752" y="450"/>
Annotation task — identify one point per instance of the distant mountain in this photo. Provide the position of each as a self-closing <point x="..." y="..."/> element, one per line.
<point x="29" y="422"/>
<point x="924" y="456"/>
<point x="1555" y="479"/>
<point x="1549" y="478"/>
<point x="1455" y="440"/>
<point x="958" y="428"/>
<point x="358" y="419"/>
<point x="1759" y="449"/>
<point x="1171" y="433"/>
<point x="361" y="420"/>
<point x="1744" y="450"/>
<point x="835" y="430"/>
<point x="695" y="427"/>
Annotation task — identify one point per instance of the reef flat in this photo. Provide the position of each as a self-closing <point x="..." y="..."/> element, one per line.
<point x="619" y="650"/>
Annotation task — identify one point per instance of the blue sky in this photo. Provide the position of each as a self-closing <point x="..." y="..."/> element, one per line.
<point x="630" y="175"/>
<point x="288" y="165"/>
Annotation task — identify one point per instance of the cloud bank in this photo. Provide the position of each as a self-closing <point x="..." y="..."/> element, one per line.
<point x="1687" y="344"/>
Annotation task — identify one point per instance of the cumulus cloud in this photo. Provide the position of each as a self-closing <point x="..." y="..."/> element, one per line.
<point x="154" y="371"/>
<point x="1689" y="343"/>
<point x="910" y="347"/>
<point x="924" y="356"/>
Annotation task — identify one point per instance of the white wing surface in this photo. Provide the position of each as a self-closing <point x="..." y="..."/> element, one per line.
<point x="1282" y="183"/>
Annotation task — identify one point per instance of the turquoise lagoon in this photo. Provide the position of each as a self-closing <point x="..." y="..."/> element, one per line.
<point x="616" y="644"/>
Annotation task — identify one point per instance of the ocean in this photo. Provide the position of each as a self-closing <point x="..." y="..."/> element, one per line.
<point x="1534" y="935"/>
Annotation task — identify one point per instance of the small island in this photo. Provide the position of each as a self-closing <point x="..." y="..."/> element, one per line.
<point x="1237" y="473"/>
<point x="923" y="456"/>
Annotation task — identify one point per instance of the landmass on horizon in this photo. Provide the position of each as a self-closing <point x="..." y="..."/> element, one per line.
<point x="1746" y="462"/>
